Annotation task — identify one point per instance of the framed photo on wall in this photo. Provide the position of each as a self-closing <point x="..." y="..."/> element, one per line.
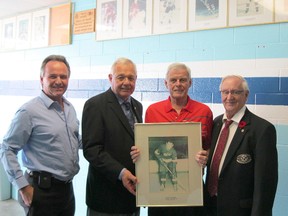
<point x="23" y="31"/>
<point x="40" y="28"/>
<point x="137" y="18"/>
<point x="207" y="14"/>
<point x="166" y="169"/>
<point x="169" y="16"/>
<point x="60" y="25"/>
<point x="8" y="33"/>
<point x="281" y="10"/>
<point x="250" y="12"/>
<point x="0" y="35"/>
<point x="108" y="19"/>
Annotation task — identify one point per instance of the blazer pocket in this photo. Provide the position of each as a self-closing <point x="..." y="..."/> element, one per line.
<point x="246" y="203"/>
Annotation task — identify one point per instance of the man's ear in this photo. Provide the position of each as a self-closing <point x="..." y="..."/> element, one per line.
<point x="166" y="83"/>
<point x="41" y="81"/>
<point x="110" y="77"/>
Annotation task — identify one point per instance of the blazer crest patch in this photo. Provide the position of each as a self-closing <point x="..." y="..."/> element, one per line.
<point x="244" y="158"/>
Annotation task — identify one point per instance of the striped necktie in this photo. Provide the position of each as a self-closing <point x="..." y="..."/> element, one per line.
<point x="214" y="169"/>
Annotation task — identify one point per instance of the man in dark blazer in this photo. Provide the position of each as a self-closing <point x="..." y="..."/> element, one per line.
<point x="107" y="136"/>
<point x="248" y="171"/>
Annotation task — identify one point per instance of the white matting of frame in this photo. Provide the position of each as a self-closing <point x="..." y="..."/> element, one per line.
<point x="137" y="18"/>
<point x="40" y="28"/>
<point x="8" y="33"/>
<point x="207" y="14"/>
<point x="281" y="10"/>
<point x="250" y="12"/>
<point x="169" y="16"/>
<point x="108" y="19"/>
<point x="23" y="31"/>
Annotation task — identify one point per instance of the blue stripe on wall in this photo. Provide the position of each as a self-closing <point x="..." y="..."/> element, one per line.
<point x="263" y="90"/>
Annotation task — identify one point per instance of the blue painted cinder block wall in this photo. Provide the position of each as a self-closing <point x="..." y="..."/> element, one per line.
<point x="259" y="53"/>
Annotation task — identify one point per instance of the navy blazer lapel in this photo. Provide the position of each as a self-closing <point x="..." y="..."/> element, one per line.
<point x="115" y="106"/>
<point x="237" y="139"/>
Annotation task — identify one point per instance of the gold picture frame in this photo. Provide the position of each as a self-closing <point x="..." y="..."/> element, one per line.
<point x="177" y="183"/>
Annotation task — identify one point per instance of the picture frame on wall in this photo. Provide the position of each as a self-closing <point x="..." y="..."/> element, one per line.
<point x="8" y="33"/>
<point x="167" y="171"/>
<point x="108" y="19"/>
<point x="40" y="28"/>
<point x="0" y="35"/>
<point x="281" y="10"/>
<point x="60" y="25"/>
<point x="207" y="14"/>
<point x="137" y="18"/>
<point x="250" y="12"/>
<point x="170" y="16"/>
<point x="23" y="31"/>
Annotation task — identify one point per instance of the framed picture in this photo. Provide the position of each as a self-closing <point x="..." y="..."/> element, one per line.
<point x="207" y="14"/>
<point x="8" y="33"/>
<point x="0" y="35"/>
<point x="23" y="31"/>
<point x="167" y="171"/>
<point x="281" y="10"/>
<point x="40" y="28"/>
<point x="108" y="19"/>
<point x="250" y="12"/>
<point x="60" y="25"/>
<point x="169" y="16"/>
<point x="137" y="18"/>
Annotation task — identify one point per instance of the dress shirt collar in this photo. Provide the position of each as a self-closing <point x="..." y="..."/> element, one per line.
<point x="121" y="101"/>
<point x="237" y="117"/>
<point x="49" y="102"/>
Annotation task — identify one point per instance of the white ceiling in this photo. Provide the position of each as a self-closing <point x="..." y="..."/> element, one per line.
<point x="9" y="8"/>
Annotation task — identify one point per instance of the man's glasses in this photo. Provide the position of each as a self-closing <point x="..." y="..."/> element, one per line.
<point x="232" y="92"/>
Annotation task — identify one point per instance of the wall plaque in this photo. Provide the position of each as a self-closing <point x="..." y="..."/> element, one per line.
<point x="84" y="22"/>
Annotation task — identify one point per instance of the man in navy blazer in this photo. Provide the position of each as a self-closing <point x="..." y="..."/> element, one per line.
<point x="248" y="171"/>
<point x="107" y="136"/>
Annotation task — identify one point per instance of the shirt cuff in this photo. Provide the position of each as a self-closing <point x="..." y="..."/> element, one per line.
<point x="20" y="182"/>
<point x="121" y="174"/>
